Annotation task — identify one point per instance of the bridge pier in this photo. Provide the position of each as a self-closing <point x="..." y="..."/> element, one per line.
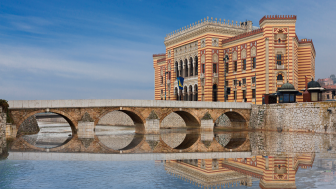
<point x="207" y="124"/>
<point x="11" y="131"/>
<point x="152" y="126"/>
<point x="85" y="129"/>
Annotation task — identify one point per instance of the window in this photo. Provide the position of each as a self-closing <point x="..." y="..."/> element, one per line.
<point x="226" y="83"/>
<point x="214" y="68"/>
<point x="292" y="98"/>
<point x="235" y="66"/>
<point x="327" y="96"/>
<point x="203" y="68"/>
<point x="226" y="67"/>
<point x="253" y="79"/>
<point x="169" y="75"/>
<point x="253" y="93"/>
<point x="235" y="82"/>
<point x="279" y="59"/>
<point x="314" y="96"/>
<point x="254" y="63"/>
<point x="244" y="95"/>
<point x="279" y="40"/>
<point x="244" y="81"/>
<point x="161" y="80"/>
<point x="280" y="77"/>
<point x="244" y="64"/>
<point x="235" y="95"/>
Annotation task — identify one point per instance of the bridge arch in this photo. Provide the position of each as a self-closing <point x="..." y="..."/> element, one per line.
<point x="138" y="121"/>
<point x="69" y="119"/>
<point x="72" y="122"/>
<point x="190" y="119"/>
<point x="238" y="120"/>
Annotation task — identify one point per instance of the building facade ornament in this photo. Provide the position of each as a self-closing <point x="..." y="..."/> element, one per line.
<point x="215" y="42"/>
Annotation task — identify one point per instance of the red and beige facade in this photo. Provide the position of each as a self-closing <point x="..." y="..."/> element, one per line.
<point x="258" y="61"/>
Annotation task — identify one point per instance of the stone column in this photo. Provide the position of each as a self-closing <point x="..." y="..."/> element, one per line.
<point x="194" y="63"/>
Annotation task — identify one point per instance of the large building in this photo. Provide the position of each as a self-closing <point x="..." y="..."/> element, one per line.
<point x="258" y="60"/>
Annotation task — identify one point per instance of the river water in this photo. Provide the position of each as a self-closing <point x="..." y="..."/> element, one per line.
<point x="274" y="160"/>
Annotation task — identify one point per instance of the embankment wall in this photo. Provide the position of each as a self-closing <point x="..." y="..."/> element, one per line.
<point x="3" y="145"/>
<point x="312" y="116"/>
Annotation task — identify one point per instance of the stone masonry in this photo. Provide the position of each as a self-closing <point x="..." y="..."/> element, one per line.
<point x="3" y="145"/>
<point x="313" y="116"/>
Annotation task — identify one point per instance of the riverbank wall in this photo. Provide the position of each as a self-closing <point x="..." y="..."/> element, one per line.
<point x="3" y="144"/>
<point x="306" y="117"/>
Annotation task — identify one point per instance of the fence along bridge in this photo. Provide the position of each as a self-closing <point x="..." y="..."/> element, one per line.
<point x="147" y="115"/>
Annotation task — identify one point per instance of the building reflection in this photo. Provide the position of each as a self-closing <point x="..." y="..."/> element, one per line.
<point x="271" y="171"/>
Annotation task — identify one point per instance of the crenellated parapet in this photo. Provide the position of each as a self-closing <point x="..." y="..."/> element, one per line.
<point x="208" y="25"/>
<point x="277" y="17"/>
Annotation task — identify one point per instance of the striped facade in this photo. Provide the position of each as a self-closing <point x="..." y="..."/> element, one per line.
<point x="259" y="61"/>
<point x="273" y="171"/>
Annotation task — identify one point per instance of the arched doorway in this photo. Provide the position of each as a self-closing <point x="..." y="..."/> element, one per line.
<point x="185" y="93"/>
<point x="195" y="93"/>
<point x="214" y="93"/>
<point x="190" y="93"/>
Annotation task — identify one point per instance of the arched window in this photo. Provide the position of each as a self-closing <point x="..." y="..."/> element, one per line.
<point x="214" y="93"/>
<point x="181" y="70"/>
<point x="279" y="40"/>
<point x="196" y="65"/>
<point x="191" y="67"/>
<point x="176" y="69"/>
<point x="280" y="77"/>
<point x="186" y="68"/>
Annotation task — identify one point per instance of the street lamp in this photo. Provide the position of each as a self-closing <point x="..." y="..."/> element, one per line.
<point x="225" y="59"/>
<point x="166" y="84"/>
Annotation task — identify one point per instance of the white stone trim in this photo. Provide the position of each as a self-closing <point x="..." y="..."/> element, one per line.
<point x="27" y="104"/>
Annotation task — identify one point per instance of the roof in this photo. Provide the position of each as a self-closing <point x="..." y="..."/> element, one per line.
<point x="247" y="34"/>
<point x="330" y="87"/>
<point x="313" y="84"/>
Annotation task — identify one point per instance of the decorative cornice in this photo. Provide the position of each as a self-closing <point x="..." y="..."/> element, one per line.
<point x="203" y="27"/>
<point x="161" y="54"/>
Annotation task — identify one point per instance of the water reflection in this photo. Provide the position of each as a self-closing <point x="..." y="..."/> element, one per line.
<point x="209" y="159"/>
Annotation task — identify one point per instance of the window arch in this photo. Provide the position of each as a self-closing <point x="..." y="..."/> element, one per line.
<point x="280" y="77"/>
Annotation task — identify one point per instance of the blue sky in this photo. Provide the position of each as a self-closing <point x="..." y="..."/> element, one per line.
<point x="103" y="49"/>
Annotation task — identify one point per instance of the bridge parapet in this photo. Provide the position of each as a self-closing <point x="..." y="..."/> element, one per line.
<point x="18" y="104"/>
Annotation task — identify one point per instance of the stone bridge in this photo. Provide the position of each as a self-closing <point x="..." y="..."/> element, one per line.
<point x="147" y="115"/>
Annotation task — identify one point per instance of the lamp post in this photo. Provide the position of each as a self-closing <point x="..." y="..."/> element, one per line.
<point x="165" y="84"/>
<point x="225" y="89"/>
<point x="255" y="76"/>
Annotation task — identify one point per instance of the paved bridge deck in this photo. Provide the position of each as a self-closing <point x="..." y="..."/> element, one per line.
<point x="18" y="104"/>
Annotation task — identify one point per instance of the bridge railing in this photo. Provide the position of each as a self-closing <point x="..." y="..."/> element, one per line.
<point x="24" y="104"/>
